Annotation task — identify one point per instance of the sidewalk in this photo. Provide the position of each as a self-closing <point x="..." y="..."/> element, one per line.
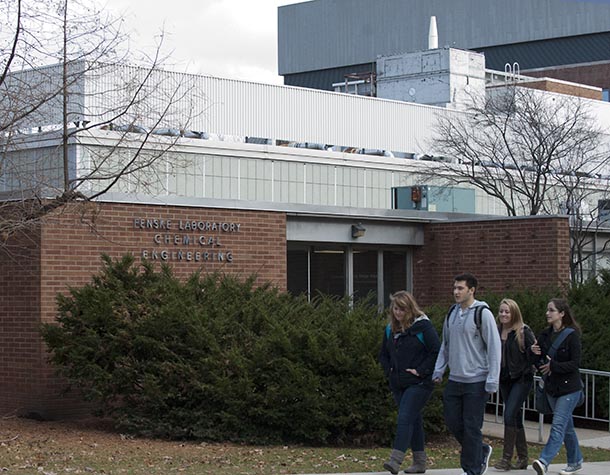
<point x="586" y="437"/>
<point x="595" y="468"/>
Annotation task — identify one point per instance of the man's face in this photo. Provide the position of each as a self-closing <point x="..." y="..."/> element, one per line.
<point x="461" y="293"/>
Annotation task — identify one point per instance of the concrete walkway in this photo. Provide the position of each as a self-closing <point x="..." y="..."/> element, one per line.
<point x="595" y="468"/>
<point x="587" y="438"/>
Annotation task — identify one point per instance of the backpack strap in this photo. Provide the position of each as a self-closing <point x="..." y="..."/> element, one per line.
<point x="420" y="335"/>
<point x="562" y="336"/>
<point x="478" y="318"/>
<point x="451" y="309"/>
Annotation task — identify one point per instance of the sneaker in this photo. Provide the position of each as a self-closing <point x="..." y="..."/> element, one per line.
<point x="539" y="467"/>
<point x="486" y="456"/>
<point x="571" y="469"/>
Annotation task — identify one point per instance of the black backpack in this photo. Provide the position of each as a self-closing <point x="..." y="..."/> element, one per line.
<point x="478" y="312"/>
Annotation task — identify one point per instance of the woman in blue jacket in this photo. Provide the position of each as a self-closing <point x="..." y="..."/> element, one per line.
<point x="408" y="354"/>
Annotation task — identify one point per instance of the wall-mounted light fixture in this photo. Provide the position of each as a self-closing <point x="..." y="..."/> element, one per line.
<point x="358" y="230"/>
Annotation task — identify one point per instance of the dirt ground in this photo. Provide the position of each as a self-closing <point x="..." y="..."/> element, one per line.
<point x="93" y="447"/>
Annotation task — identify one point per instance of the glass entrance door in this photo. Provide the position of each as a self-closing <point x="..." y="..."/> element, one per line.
<point x="348" y="270"/>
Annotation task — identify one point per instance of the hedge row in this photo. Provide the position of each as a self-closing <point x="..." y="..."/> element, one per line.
<point x="216" y="358"/>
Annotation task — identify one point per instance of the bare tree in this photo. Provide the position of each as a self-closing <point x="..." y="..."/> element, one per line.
<point x="535" y="153"/>
<point x="63" y="75"/>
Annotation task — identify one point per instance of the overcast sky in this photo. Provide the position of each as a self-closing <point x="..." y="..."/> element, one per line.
<point x="227" y="38"/>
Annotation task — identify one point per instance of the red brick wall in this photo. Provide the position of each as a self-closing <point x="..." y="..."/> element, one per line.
<point x="68" y="253"/>
<point x="561" y="88"/>
<point x="21" y="350"/>
<point x="592" y="74"/>
<point x="503" y="254"/>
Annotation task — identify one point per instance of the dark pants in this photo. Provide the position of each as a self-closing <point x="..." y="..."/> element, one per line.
<point x="410" y="424"/>
<point x="513" y="396"/>
<point x="464" y="405"/>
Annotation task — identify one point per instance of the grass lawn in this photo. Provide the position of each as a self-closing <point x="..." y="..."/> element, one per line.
<point x="88" y="447"/>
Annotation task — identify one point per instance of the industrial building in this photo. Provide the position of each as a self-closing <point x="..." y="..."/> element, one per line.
<point x="321" y="42"/>
<point x="311" y="190"/>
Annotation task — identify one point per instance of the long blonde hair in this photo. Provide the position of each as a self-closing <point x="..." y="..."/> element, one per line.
<point x="405" y="301"/>
<point x="516" y="320"/>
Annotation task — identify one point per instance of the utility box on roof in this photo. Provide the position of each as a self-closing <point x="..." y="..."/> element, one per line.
<point x="445" y="77"/>
<point x="434" y="198"/>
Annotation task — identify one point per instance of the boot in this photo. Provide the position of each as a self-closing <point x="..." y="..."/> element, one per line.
<point x="510" y="436"/>
<point x="419" y="463"/>
<point x="393" y="465"/>
<point x="521" y="443"/>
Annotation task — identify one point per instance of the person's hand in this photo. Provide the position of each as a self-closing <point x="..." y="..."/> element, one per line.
<point x="536" y="348"/>
<point x="413" y="371"/>
<point x="545" y="368"/>
<point x="437" y="380"/>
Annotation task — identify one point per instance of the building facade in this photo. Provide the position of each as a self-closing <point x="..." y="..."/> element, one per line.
<point x="293" y="249"/>
<point x="554" y="35"/>
<point x="292" y="185"/>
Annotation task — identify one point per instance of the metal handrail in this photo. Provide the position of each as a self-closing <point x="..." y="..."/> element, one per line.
<point x="588" y="411"/>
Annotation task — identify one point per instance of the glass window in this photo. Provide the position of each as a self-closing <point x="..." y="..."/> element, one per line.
<point x="350" y="187"/>
<point x="221" y="177"/>
<point x="328" y="271"/>
<point x="297" y="271"/>
<point x="288" y="182"/>
<point x="255" y="180"/>
<point x="365" y="274"/>
<point x="606" y="95"/>
<point x="325" y="266"/>
<point x="320" y="184"/>
<point x="394" y="273"/>
<point x="379" y="184"/>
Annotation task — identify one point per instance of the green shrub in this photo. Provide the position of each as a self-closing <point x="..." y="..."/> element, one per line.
<point x="216" y="358"/>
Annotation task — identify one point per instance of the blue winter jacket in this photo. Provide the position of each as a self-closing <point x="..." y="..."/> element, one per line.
<point x="416" y="348"/>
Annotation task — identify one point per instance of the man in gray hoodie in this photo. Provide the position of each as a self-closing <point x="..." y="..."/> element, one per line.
<point x="473" y="353"/>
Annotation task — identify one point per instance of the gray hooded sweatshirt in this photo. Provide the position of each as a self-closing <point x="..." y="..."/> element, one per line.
<point x="472" y="356"/>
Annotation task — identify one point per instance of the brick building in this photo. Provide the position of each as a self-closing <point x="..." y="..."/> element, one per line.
<point x="65" y="251"/>
<point x="293" y="185"/>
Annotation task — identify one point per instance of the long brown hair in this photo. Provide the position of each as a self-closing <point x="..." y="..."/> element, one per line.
<point x="568" y="319"/>
<point x="405" y="301"/>
<point x="516" y="320"/>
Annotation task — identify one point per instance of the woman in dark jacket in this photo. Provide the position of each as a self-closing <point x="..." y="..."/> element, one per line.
<point x="409" y="351"/>
<point x="562" y="384"/>
<point x="516" y="378"/>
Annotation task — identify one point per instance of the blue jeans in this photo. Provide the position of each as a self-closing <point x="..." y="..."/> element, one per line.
<point x="513" y="396"/>
<point x="463" y="406"/>
<point x="410" y="424"/>
<point x="562" y="430"/>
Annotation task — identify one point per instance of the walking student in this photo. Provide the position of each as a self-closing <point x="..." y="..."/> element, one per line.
<point x="408" y="353"/>
<point x="471" y="349"/>
<point x="556" y="354"/>
<point x="516" y="379"/>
